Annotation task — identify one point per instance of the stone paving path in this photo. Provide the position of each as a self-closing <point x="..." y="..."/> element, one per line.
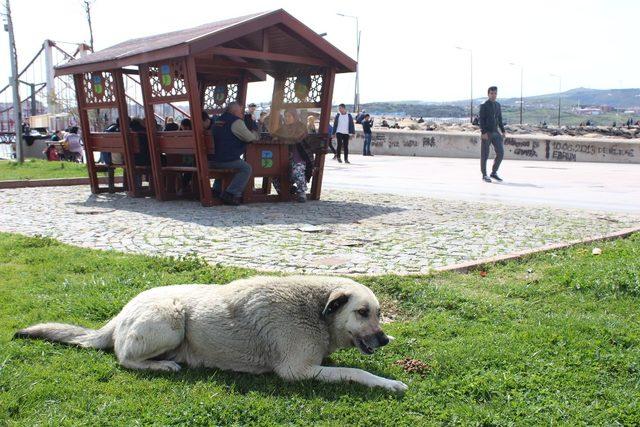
<point x="345" y="233"/>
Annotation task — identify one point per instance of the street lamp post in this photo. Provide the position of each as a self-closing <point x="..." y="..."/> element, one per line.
<point x="521" y="98"/>
<point x="356" y="95"/>
<point x="559" y="94"/>
<point x="471" y="80"/>
<point x="13" y="81"/>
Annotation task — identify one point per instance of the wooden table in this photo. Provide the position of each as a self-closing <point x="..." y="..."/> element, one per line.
<point x="269" y="158"/>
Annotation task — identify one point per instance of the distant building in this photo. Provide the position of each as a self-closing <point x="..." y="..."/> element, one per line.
<point x="588" y="111"/>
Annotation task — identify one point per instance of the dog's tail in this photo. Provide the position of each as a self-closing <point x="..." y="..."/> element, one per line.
<point x="71" y="334"/>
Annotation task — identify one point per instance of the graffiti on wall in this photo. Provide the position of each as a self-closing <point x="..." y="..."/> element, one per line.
<point x="429" y="141"/>
<point x="570" y="150"/>
<point x="521" y="147"/>
<point x="378" y="139"/>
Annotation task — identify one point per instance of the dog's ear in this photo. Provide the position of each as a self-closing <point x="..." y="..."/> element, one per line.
<point x="336" y="300"/>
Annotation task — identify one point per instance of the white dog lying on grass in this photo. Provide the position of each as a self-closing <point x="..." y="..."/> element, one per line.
<point x="286" y="325"/>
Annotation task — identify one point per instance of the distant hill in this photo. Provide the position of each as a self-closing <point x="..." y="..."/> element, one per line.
<point x="617" y="98"/>
<point x="415" y="109"/>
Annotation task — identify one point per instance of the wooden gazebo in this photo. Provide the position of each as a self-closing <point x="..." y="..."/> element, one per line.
<point x="207" y="67"/>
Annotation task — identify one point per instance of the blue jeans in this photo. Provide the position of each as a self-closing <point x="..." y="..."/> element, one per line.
<point x="105" y="157"/>
<point x="366" y="149"/>
<point x="239" y="180"/>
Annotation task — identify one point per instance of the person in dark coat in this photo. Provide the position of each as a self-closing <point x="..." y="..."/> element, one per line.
<point x="230" y="136"/>
<point x="367" y="124"/>
<point x="490" y="125"/>
<point x="170" y="125"/>
<point x="249" y="119"/>
<point x="330" y="143"/>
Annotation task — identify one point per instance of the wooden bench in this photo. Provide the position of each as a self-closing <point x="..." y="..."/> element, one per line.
<point x="173" y="184"/>
<point x="179" y="169"/>
<point x="110" y="171"/>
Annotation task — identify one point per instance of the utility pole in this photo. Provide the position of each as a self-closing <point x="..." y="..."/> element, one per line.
<point x="13" y="80"/>
<point x="356" y="95"/>
<point x="34" y="104"/>
<point x="87" y="9"/>
<point x="51" y="81"/>
<point x="559" y="94"/>
<point x="470" y="81"/>
<point x="521" y="98"/>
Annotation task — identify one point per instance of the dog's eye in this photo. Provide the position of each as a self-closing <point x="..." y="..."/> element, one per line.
<point x="363" y="312"/>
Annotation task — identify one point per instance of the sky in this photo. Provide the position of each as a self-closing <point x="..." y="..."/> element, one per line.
<point x="408" y="48"/>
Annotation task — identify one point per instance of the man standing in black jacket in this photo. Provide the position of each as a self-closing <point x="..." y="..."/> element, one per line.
<point x="490" y="122"/>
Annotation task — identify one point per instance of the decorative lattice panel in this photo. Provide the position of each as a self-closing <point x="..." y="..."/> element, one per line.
<point x="302" y="89"/>
<point x="217" y="97"/>
<point x="167" y="80"/>
<point x="99" y="87"/>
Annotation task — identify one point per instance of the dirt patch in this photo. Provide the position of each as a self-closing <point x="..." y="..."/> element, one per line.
<point x="414" y="366"/>
<point x="390" y="311"/>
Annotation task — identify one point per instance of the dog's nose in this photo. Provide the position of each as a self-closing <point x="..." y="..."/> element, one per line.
<point x="382" y="339"/>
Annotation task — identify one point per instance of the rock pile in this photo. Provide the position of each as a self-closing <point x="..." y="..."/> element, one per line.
<point x="409" y="123"/>
<point x="580" y="131"/>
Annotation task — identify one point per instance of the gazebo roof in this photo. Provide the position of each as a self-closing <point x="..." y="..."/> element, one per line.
<point x="255" y="41"/>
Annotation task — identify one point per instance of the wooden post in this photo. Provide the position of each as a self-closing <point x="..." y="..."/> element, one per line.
<point x="86" y="132"/>
<point x="325" y="112"/>
<point x="242" y="89"/>
<point x="241" y="98"/>
<point x="195" y="107"/>
<point x="202" y="88"/>
<point x="276" y="103"/>
<point x="154" y="149"/>
<point x="123" y="118"/>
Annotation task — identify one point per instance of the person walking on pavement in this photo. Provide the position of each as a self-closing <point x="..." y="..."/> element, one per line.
<point x="490" y="123"/>
<point x="343" y="126"/>
<point x="367" y="123"/>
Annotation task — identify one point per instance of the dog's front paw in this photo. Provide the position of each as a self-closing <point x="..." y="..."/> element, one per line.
<point x="395" y="386"/>
<point x="169" y="366"/>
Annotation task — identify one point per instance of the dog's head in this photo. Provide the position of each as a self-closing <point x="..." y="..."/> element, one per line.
<point x="353" y="315"/>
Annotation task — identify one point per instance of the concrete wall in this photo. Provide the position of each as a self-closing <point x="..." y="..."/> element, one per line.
<point x="35" y="150"/>
<point x="467" y="145"/>
<point x="524" y="147"/>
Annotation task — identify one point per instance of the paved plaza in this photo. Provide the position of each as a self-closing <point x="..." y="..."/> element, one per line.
<point x="347" y="232"/>
<point x="593" y="186"/>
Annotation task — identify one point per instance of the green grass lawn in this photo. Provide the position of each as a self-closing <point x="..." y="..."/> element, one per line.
<point x="553" y="339"/>
<point x="42" y="169"/>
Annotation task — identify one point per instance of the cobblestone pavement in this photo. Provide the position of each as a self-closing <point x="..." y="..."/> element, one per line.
<point x="345" y="233"/>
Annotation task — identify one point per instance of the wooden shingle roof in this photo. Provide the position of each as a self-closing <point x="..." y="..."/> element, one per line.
<point x="302" y="41"/>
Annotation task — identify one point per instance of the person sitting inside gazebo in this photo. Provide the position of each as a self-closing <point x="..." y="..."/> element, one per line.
<point x="230" y="136"/>
<point x="301" y="155"/>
